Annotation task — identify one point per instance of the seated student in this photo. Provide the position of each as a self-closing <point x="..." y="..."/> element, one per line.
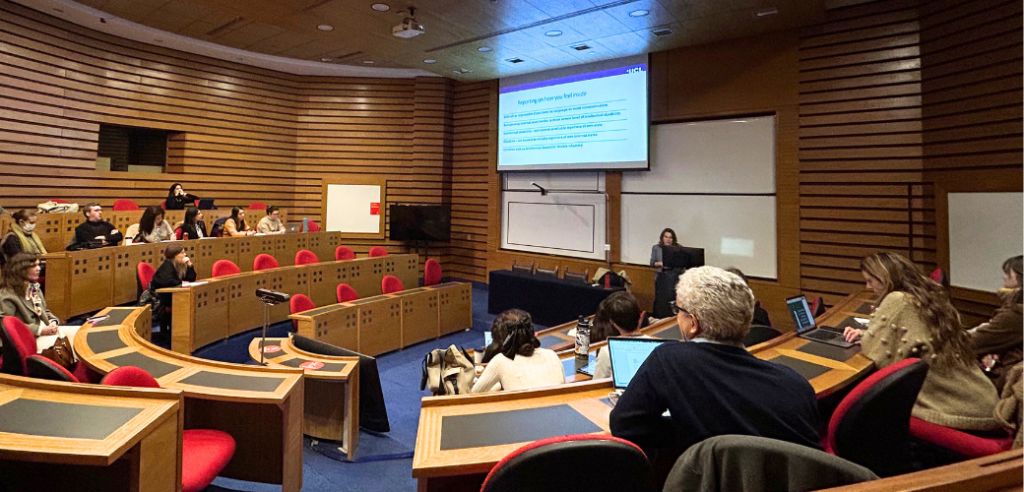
<point x="21" y="297"/>
<point x="998" y="342"/>
<point x="622" y="312"/>
<point x="22" y="238"/>
<point x="760" y="315"/>
<point x="235" y="225"/>
<point x="915" y="318"/>
<point x="499" y="332"/>
<point x="95" y="228"/>
<point x="153" y="228"/>
<point x="522" y="364"/>
<point x="193" y="226"/>
<point x="176" y="268"/>
<point x="710" y="384"/>
<point x="177" y="199"/>
<point x="271" y="224"/>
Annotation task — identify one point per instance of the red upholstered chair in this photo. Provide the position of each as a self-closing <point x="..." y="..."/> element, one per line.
<point x="343" y="253"/>
<point x="204" y="452"/>
<point x="611" y="465"/>
<point x="431" y="272"/>
<point x="870" y="426"/>
<point x="378" y="251"/>
<point x="391" y="284"/>
<point x="257" y="206"/>
<point x="146" y="273"/>
<point x="163" y="205"/>
<point x="817" y="307"/>
<point x="40" y="367"/>
<point x="264" y="262"/>
<point x="18" y="344"/>
<point x="346" y="293"/>
<point x="940" y="277"/>
<point x="58" y="200"/>
<point x="124" y="205"/>
<point x="958" y="443"/>
<point x="298" y="304"/>
<point x="313" y="227"/>
<point x="225" y="267"/>
<point x="306" y="257"/>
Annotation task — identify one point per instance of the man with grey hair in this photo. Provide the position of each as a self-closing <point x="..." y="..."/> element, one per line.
<point x="711" y="385"/>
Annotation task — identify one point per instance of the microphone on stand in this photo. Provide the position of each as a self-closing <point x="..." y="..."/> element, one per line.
<point x="269" y="298"/>
<point x="543" y="192"/>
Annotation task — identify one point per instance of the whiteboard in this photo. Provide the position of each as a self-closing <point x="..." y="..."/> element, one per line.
<point x="735" y="231"/>
<point x="350" y="208"/>
<point x="717" y="156"/>
<point x="565" y="224"/>
<point x="984" y="230"/>
<point x="555" y="181"/>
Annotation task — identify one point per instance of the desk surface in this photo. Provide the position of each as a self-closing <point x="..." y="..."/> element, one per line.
<point x="280" y="352"/>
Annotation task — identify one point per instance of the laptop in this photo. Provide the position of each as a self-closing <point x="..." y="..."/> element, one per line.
<point x="627" y="354"/>
<point x="293" y="228"/>
<point x="206" y="204"/>
<point x="807" y="328"/>
<point x="487" y="339"/>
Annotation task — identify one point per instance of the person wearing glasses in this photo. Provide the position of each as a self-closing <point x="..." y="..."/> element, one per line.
<point x="710" y="384"/>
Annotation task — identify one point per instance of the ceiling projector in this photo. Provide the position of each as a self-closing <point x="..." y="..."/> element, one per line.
<point x="409" y="28"/>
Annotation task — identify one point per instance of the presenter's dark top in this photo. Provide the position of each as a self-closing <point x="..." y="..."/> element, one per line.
<point x="710" y="390"/>
<point x="179" y="202"/>
<point x="89" y="231"/>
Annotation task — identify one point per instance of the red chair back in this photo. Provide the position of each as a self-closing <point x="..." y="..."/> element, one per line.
<point x="130" y="376"/>
<point x="961" y="444"/>
<point x="391" y="284"/>
<point x="346" y="293"/>
<point x="306" y="257"/>
<point x="257" y="206"/>
<point x="870" y="426"/>
<point x="225" y="267"/>
<point x="431" y="272"/>
<point x="124" y="205"/>
<point x="298" y="304"/>
<point x="377" y="251"/>
<point x="940" y="277"/>
<point x="58" y="200"/>
<point x="18" y="344"/>
<point x="313" y="227"/>
<point x="612" y="464"/>
<point x="344" y="253"/>
<point x="145" y="272"/>
<point x="264" y="262"/>
<point x="40" y="367"/>
<point x="817" y="307"/>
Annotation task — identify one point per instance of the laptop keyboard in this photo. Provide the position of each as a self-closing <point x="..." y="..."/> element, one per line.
<point x="822" y="335"/>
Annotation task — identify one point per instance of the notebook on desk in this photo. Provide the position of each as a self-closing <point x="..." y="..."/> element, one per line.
<point x="807" y="328"/>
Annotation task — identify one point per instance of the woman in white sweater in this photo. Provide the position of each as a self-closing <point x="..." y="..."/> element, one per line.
<point x="522" y="364"/>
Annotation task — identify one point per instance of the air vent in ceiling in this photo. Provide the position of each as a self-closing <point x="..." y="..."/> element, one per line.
<point x="221" y="29"/>
<point x="316" y="4"/>
<point x="662" y="32"/>
<point x="581" y="47"/>
<point x="515" y="60"/>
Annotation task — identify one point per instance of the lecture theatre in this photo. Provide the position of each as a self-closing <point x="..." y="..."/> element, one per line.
<point x="511" y="245"/>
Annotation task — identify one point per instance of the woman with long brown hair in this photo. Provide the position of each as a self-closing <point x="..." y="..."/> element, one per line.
<point x="915" y="318"/>
<point x="22" y="298"/>
<point x="522" y="364"/>
<point x="176" y="268"/>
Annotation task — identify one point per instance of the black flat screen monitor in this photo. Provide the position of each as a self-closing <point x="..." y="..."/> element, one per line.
<point x="420" y="223"/>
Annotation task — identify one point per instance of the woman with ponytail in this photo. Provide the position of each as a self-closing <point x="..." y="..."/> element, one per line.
<point x="522" y="364"/>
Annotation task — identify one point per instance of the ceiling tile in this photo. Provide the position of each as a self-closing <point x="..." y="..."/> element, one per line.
<point x="657" y="15"/>
<point x="625" y="44"/>
<point x="563" y="7"/>
<point x="596" y="24"/>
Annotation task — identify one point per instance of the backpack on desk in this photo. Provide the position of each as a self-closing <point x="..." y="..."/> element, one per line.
<point x="448" y="371"/>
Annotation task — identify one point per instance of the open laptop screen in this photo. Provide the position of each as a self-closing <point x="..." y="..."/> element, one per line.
<point x="801" y="314"/>
<point x="627" y="355"/>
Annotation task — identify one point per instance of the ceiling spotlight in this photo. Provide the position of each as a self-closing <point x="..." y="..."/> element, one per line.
<point x="368" y="62"/>
<point x="325" y="60"/>
<point x="380" y="7"/>
<point x="456" y="72"/>
<point x="766" y="12"/>
<point x="639" y="13"/>
<point x="592" y="53"/>
<point x="553" y="33"/>
<point x="485" y="49"/>
<point x="466" y="70"/>
<point x="430" y="61"/>
<point x="325" y="27"/>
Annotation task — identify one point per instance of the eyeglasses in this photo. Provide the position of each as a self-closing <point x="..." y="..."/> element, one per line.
<point x="676" y="309"/>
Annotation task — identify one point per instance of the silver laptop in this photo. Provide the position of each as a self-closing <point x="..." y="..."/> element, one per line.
<point x="627" y="354"/>
<point x="807" y="328"/>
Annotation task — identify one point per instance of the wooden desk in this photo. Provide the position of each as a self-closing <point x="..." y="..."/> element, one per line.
<point x="999" y="472"/>
<point x="112" y="439"/>
<point x="443" y="463"/>
<point x="331" y="408"/>
<point x="260" y="407"/>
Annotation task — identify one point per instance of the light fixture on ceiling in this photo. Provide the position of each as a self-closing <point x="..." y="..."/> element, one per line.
<point x="485" y="49"/>
<point x="368" y="62"/>
<point x="325" y="27"/>
<point x="553" y="33"/>
<point x="592" y="53"/>
<point x="456" y="72"/>
<point x="766" y="12"/>
<point x="430" y="61"/>
<point x="325" y="60"/>
<point x="639" y="13"/>
<point x="380" y="7"/>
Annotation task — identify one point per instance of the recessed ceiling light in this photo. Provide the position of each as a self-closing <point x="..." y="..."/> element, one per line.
<point x="766" y="12"/>
<point x="485" y="49"/>
<point x="431" y="60"/>
<point x="592" y="53"/>
<point x="368" y="62"/>
<point x="325" y="27"/>
<point x="466" y="70"/>
<point x="553" y="33"/>
<point x="456" y="72"/>
<point x="325" y="60"/>
<point x="380" y="7"/>
<point x="639" y="13"/>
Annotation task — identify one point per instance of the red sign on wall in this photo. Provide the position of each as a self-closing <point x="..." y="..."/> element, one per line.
<point x="374" y="208"/>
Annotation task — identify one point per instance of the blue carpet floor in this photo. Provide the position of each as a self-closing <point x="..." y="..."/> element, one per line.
<point x="400" y="378"/>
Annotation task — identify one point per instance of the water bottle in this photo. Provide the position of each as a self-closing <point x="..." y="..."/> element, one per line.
<point x="582" y="343"/>
<point x="305" y="224"/>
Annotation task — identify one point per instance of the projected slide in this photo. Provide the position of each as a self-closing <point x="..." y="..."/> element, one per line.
<point x="595" y="120"/>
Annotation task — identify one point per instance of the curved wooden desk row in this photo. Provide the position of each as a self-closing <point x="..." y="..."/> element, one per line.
<point x="218" y="308"/>
<point x="261" y="407"/>
<point x="379" y="324"/>
<point x="85" y="281"/>
<point x="331" y="409"/>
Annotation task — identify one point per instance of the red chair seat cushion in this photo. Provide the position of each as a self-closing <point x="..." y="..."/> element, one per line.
<point x="205" y="453"/>
<point x="961" y="442"/>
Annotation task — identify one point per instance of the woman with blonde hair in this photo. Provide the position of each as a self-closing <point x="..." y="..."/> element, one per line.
<point x="915" y="318"/>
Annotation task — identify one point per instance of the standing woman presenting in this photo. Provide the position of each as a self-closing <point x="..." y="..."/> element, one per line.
<point x="666" y="278"/>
